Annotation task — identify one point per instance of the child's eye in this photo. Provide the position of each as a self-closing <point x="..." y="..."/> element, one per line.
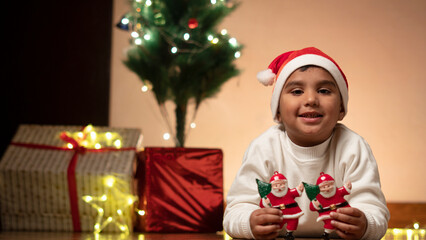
<point x="296" y="92"/>
<point x="324" y="91"/>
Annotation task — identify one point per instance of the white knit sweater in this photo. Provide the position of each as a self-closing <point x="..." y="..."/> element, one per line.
<point x="345" y="156"/>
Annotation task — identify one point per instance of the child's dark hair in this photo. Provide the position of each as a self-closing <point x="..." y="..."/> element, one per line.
<point x="306" y="67"/>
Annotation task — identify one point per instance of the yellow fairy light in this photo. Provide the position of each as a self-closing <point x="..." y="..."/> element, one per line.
<point x="93" y="135"/>
<point x="147" y="36"/>
<point x="174" y="50"/>
<point x="108" y="135"/>
<point x="113" y="197"/>
<point x="84" y="143"/>
<point x="87" y="198"/>
<point x="237" y="54"/>
<point x="224" y="32"/>
<point x="193" y="125"/>
<point x="144" y="88"/>
<point x="210" y="37"/>
<point x="416" y="225"/>
<point x="70" y="146"/>
<point x="80" y="134"/>
<point x="104" y="198"/>
<point x="98" y="146"/>
<point x="148" y="3"/>
<point x="141" y="212"/>
<point x="109" y="181"/>
<point x="117" y="143"/>
<point x="215" y="40"/>
<point x="88" y="128"/>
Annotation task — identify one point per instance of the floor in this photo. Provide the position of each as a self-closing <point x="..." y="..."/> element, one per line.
<point x="392" y="234"/>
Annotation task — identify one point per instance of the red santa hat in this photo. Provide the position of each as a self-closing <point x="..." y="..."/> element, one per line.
<point x="285" y="64"/>
<point x="324" y="178"/>
<point x="277" y="176"/>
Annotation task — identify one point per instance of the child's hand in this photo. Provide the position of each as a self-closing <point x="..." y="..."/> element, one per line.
<point x="265" y="223"/>
<point x="350" y="223"/>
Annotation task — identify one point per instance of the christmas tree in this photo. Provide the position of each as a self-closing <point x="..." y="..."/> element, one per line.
<point x="177" y="51"/>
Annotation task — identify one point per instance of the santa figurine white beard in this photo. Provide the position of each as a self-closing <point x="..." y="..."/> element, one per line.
<point x="280" y="192"/>
<point x="330" y="193"/>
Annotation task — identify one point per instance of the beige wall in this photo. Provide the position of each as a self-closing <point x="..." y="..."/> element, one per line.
<point x="380" y="46"/>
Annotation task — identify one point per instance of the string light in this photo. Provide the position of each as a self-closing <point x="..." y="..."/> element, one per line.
<point x="144" y="88"/>
<point x="147" y="36"/>
<point x="210" y="37"/>
<point x="89" y="138"/>
<point x="114" y="197"/>
<point x="224" y="32"/>
<point x="93" y="135"/>
<point x="174" y="50"/>
<point x="138" y="41"/>
<point x="233" y="42"/>
<point x="215" y="40"/>
<point x="237" y="54"/>
<point x="134" y="34"/>
<point x="186" y="36"/>
<point x="193" y="125"/>
<point x="213" y="1"/>
<point x="148" y="3"/>
<point x="117" y="143"/>
<point x="125" y="21"/>
<point x="108" y="135"/>
<point x="166" y="136"/>
<point x="416" y="225"/>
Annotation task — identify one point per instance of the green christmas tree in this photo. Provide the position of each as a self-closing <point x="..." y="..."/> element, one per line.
<point x="177" y="50"/>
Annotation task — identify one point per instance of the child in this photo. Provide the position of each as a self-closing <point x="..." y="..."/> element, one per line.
<point x="310" y="96"/>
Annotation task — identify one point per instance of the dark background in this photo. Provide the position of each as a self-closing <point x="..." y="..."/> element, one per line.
<point x="55" y="63"/>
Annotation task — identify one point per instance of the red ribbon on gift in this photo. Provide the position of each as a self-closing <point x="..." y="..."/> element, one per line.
<point x="72" y="185"/>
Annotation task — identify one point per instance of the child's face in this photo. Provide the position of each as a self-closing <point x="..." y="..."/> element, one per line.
<point x="310" y="106"/>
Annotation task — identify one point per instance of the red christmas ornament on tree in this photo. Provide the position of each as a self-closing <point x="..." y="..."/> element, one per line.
<point x="192" y="23"/>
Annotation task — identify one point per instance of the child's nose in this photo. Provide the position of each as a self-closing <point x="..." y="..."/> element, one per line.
<point x="311" y="98"/>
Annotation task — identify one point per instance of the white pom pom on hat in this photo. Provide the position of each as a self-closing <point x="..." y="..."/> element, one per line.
<point x="285" y="64"/>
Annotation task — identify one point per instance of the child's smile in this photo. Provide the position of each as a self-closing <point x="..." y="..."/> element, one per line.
<point x="310" y="106"/>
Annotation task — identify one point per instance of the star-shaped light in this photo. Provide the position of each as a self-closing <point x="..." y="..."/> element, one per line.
<point x="114" y="196"/>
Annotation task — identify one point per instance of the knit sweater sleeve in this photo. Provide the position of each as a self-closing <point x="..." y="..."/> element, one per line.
<point x="243" y="197"/>
<point x="361" y="169"/>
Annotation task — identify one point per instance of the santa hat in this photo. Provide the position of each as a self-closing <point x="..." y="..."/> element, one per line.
<point x="324" y="178"/>
<point x="285" y="64"/>
<point x="277" y="176"/>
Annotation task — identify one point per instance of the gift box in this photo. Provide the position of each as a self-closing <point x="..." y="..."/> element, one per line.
<point x="181" y="190"/>
<point x="61" y="178"/>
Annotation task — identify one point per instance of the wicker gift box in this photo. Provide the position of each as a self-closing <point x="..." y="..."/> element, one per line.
<point x="47" y="170"/>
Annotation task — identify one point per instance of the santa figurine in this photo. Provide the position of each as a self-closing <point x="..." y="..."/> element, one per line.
<point x="328" y="200"/>
<point x="276" y="194"/>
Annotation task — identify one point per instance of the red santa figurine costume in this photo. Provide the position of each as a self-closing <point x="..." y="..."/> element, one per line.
<point x="329" y="200"/>
<point x="282" y="197"/>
